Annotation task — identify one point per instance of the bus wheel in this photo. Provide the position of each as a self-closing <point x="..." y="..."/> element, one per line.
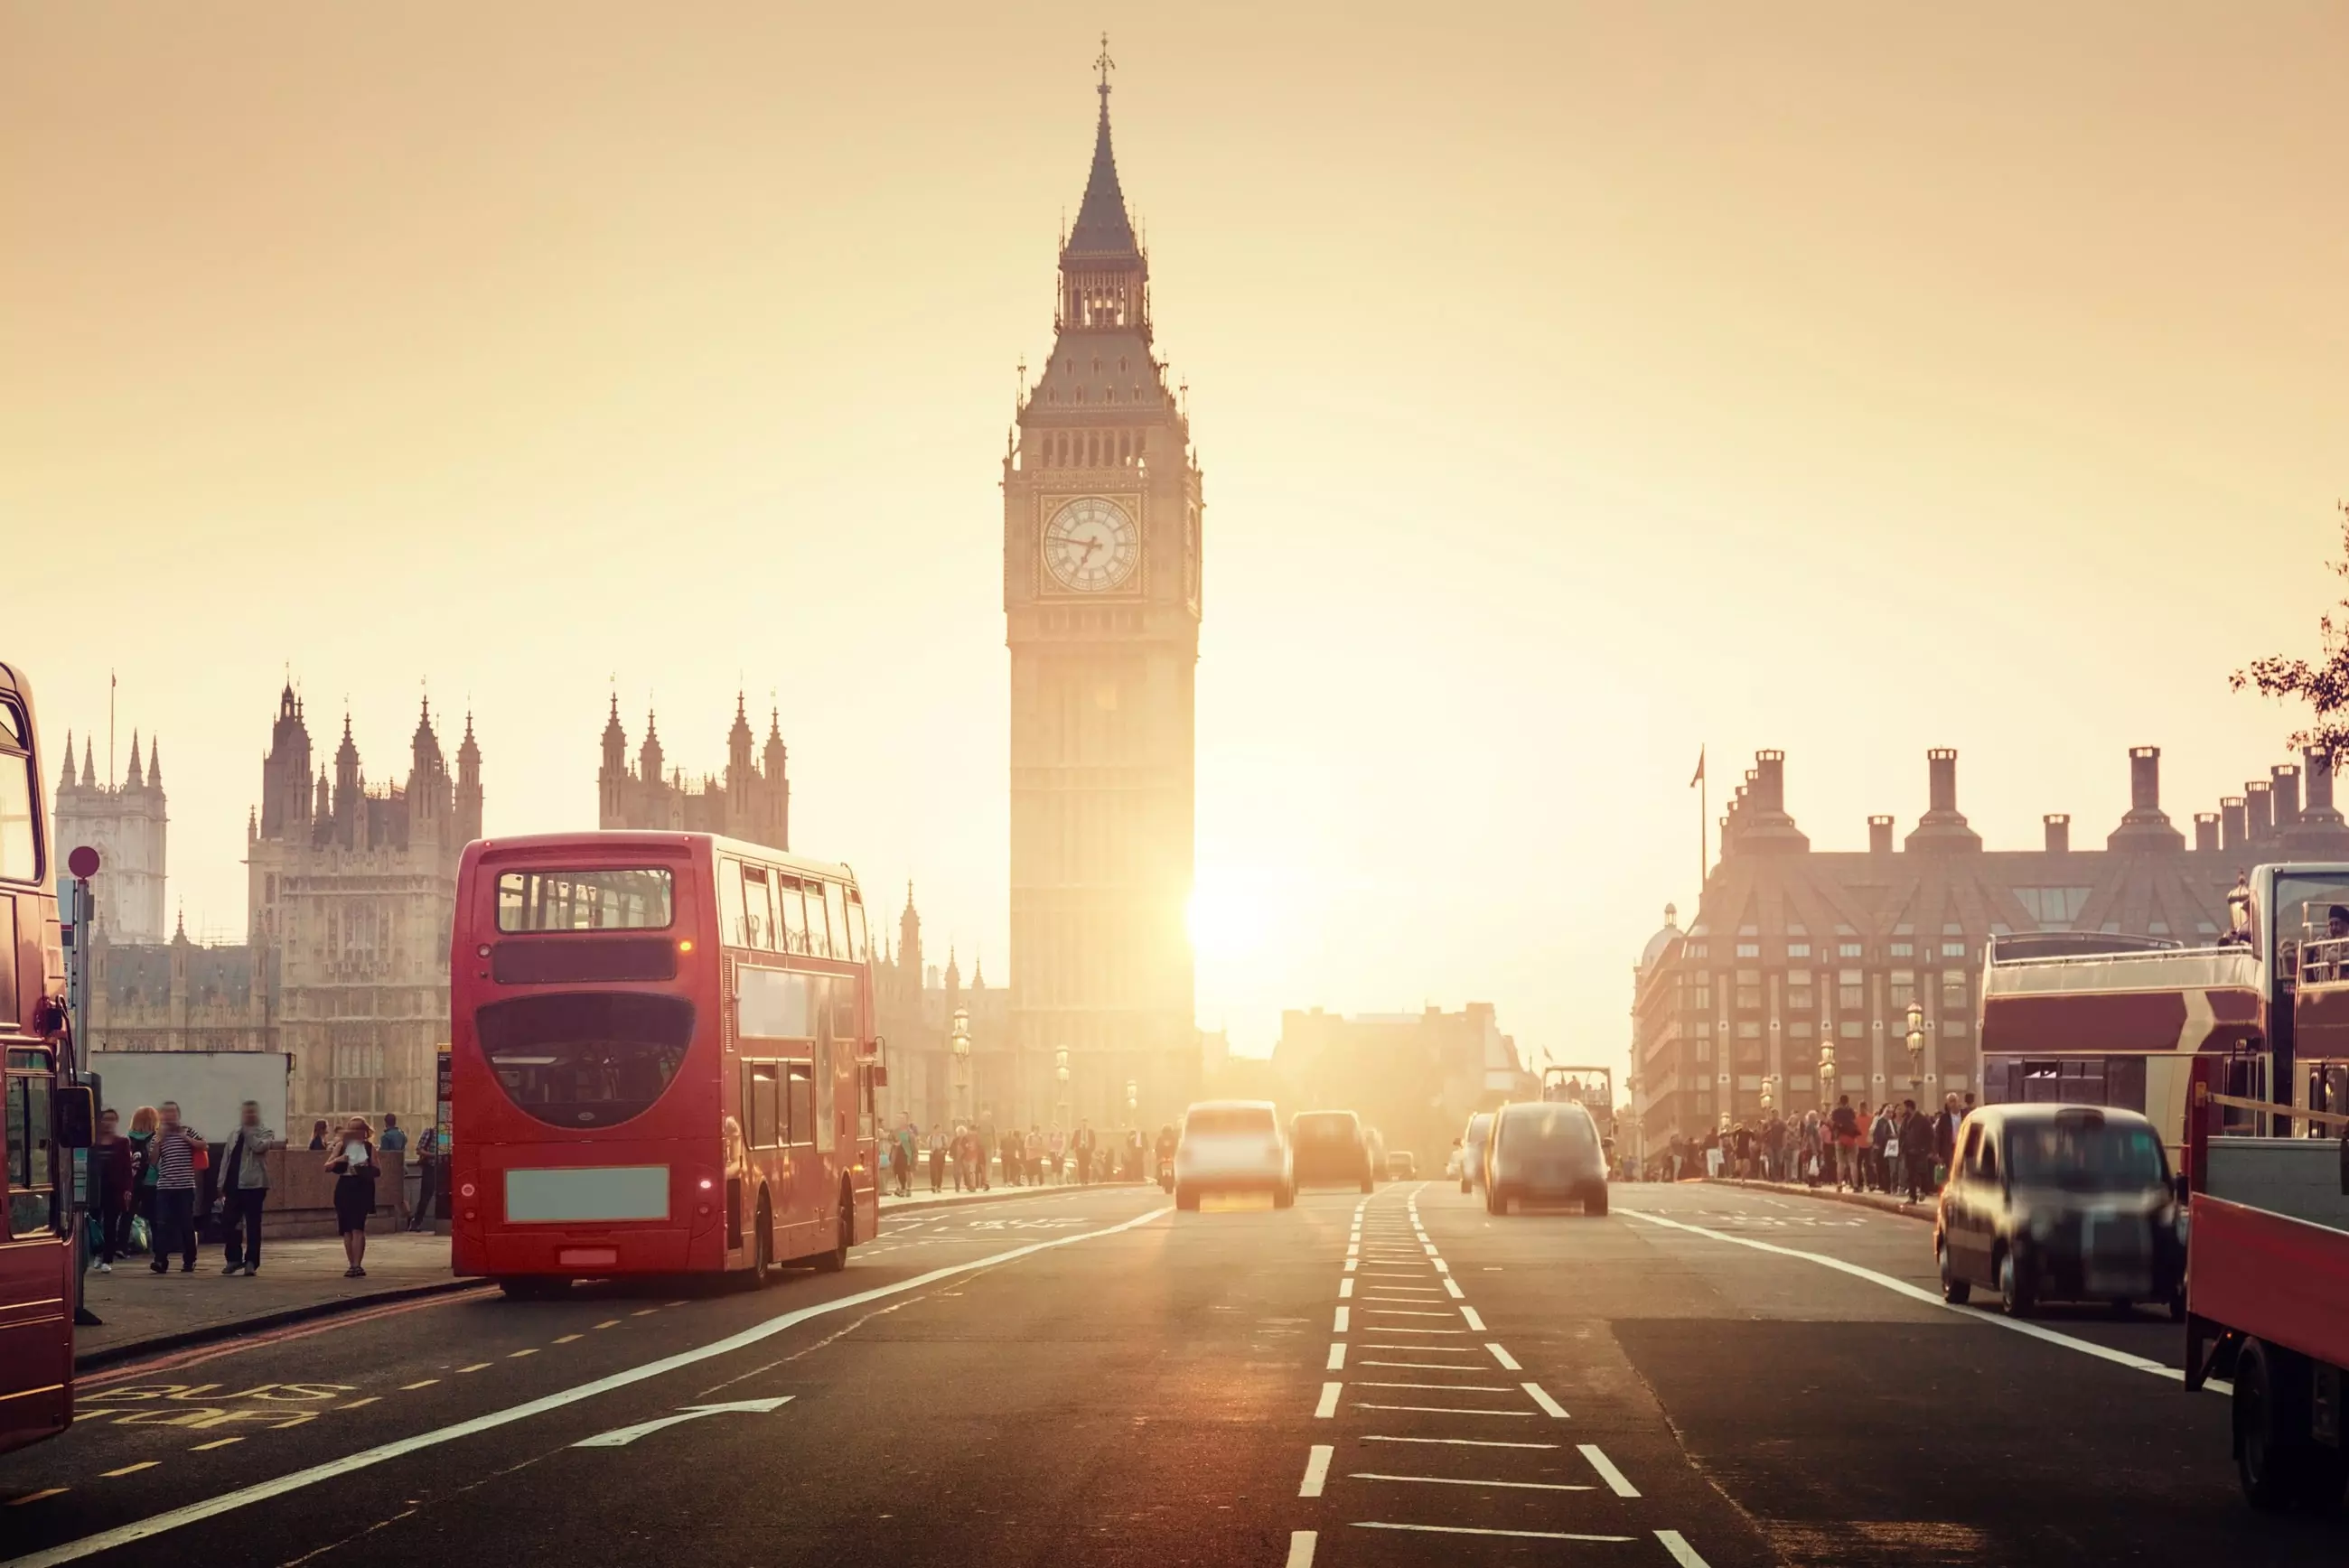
<point x="763" y="1271"/>
<point x="843" y="1233"/>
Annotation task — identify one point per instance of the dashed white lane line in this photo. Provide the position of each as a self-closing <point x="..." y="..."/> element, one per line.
<point x="1615" y="1479"/>
<point x="1458" y="1481"/>
<point x="128" y="1469"/>
<point x="1345" y="1287"/>
<point x="1405" y="1312"/>
<point x="1337" y="1357"/>
<point x="1391" y="1328"/>
<point x="1452" y="1286"/>
<point x="1338" y="1326"/>
<point x="1425" y="1349"/>
<point x="1682" y="1553"/>
<point x="1317" y="1469"/>
<point x="1349" y="1265"/>
<point x="1328" y="1408"/>
<point x="1469" y="1313"/>
<point x="1505" y="1359"/>
<point x="1459" y="1442"/>
<point x="1301" y="1549"/>
<point x="1541" y="1396"/>
<point x="1516" y="1534"/>
<point x="1441" y="1267"/>
<point x="1934" y="1298"/>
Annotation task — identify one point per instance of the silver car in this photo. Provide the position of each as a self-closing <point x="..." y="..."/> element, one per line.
<point x="1232" y="1146"/>
<point x="1546" y="1152"/>
<point x="1472" y="1151"/>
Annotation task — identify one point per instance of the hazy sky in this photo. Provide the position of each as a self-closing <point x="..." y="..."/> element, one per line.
<point x="1576" y="384"/>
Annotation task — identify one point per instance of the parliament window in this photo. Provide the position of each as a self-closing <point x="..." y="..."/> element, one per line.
<point x="1749" y="987"/>
<point x="1850" y="993"/>
<point x="1903" y="989"/>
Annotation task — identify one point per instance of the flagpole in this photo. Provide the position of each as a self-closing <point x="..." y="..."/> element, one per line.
<point x="1703" y="815"/>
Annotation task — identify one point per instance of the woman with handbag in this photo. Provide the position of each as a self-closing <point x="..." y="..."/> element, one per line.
<point x="354" y="1168"/>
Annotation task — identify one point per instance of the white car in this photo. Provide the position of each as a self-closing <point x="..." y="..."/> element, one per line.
<point x="1232" y="1146"/>
<point x="1473" y="1149"/>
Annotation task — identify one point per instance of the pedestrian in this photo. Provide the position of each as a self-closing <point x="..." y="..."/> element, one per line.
<point x="112" y="1179"/>
<point x="937" y="1158"/>
<point x="143" y="1123"/>
<point x="319" y="1134"/>
<point x="1917" y="1149"/>
<point x="354" y="1169"/>
<point x="427" y="1178"/>
<point x="1082" y="1148"/>
<point x="1845" y="1125"/>
<point x="176" y="1153"/>
<point x="395" y="1141"/>
<point x="1014" y="1168"/>
<point x="1056" y="1153"/>
<point x="1879" y="1133"/>
<point x="244" y="1188"/>
<point x="1945" y="1131"/>
<point x="1033" y="1153"/>
<point x="900" y="1165"/>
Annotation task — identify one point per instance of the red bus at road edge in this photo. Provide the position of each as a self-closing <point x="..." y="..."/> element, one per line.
<point x="662" y="1059"/>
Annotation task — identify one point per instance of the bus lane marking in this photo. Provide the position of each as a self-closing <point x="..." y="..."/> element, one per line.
<point x="1617" y="1482"/>
<point x="1326" y="1408"/>
<point x="296" y="1480"/>
<point x="1317" y="1469"/>
<point x="129" y="1469"/>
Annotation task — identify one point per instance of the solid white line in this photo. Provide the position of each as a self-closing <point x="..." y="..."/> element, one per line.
<point x="1337" y="1357"/>
<point x="1455" y="1480"/>
<point x="1440" y="1409"/>
<point x="1615" y="1480"/>
<point x="262" y="1492"/>
<point x="1519" y="1534"/>
<point x="1452" y="1285"/>
<point x="1380" y="1328"/>
<point x="1339" y="1325"/>
<point x="1406" y="1311"/>
<point x="1459" y="1442"/>
<point x="1682" y="1553"/>
<point x="1425" y="1349"/>
<point x="1301" y="1549"/>
<point x="1329" y="1405"/>
<point x="1317" y="1469"/>
<point x="1447" y="1387"/>
<point x="1475" y="1322"/>
<point x="1505" y="1359"/>
<point x="1930" y="1297"/>
<point x="1541" y="1396"/>
<point x="1424" y="1365"/>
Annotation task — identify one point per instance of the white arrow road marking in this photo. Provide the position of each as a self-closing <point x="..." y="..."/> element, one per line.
<point x="621" y="1437"/>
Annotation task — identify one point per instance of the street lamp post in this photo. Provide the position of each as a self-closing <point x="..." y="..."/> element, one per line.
<point x="1826" y="1074"/>
<point x="962" y="1063"/>
<point x="1916" y="1048"/>
<point x="1061" y="1073"/>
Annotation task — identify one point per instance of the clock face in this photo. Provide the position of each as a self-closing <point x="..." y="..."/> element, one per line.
<point x="1091" y="545"/>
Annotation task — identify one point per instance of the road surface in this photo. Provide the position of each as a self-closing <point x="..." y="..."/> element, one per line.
<point x="1706" y="1376"/>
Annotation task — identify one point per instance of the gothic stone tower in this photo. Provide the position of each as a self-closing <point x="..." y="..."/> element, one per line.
<point x="1101" y="596"/>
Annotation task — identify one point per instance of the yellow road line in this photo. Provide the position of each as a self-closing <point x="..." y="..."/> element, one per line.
<point x="215" y="1443"/>
<point x="128" y="1469"/>
<point x="476" y="1366"/>
<point x="411" y="1387"/>
<point x="36" y="1495"/>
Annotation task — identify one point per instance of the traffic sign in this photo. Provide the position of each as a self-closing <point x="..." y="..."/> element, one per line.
<point x="83" y="862"/>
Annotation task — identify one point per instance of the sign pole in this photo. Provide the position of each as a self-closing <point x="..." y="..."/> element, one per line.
<point x="83" y="864"/>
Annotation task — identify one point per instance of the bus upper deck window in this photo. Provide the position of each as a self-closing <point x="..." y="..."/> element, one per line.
<point x="20" y="858"/>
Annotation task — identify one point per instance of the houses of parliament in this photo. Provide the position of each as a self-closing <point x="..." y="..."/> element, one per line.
<point x="351" y="884"/>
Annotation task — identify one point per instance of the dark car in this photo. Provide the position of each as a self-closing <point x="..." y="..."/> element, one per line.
<point x="1328" y="1147"/>
<point x="1546" y="1152"/>
<point x="2061" y="1202"/>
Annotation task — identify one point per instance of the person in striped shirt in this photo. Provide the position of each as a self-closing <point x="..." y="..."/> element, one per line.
<point x="172" y="1153"/>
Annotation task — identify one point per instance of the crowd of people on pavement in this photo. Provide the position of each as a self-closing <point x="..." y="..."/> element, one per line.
<point x="972" y="1155"/>
<point x="146" y="1183"/>
<point x="1891" y="1148"/>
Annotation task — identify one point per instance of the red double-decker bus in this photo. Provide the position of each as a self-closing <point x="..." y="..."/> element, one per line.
<point x="662" y="1059"/>
<point x="42" y="1113"/>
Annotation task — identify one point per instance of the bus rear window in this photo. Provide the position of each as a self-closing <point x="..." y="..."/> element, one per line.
<point x="630" y="898"/>
<point x="586" y="1059"/>
<point x="1230" y="1120"/>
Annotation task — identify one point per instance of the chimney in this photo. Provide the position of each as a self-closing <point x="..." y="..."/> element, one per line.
<point x="2319" y="809"/>
<point x="2206" y="833"/>
<point x="1941" y="781"/>
<point x="1943" y="826"/>
<point x="1769" y="778"/>
<point x="1880" y="835"/>
<point x="2234" y="826"/>
<point x="2059" y="832"/>
<point x="2145" y="828"/>
<point x="2145" y="778"/>
<point x="2285" y="793"/>
<point x="2259" y="814"/>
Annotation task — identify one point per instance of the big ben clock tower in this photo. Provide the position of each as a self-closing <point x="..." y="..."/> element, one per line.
<point x="1101" y="599"/>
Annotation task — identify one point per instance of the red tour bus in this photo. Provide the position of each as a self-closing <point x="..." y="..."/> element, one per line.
<point x="663" y="1059"/>
<point x="40" y="1112"/>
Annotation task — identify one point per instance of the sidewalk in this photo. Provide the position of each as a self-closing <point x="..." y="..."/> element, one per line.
<point x="146" y="1311"/>
<point x="1883" y="1202"/>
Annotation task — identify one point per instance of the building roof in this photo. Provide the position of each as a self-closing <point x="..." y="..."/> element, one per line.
<point x="1103" y="227"/>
